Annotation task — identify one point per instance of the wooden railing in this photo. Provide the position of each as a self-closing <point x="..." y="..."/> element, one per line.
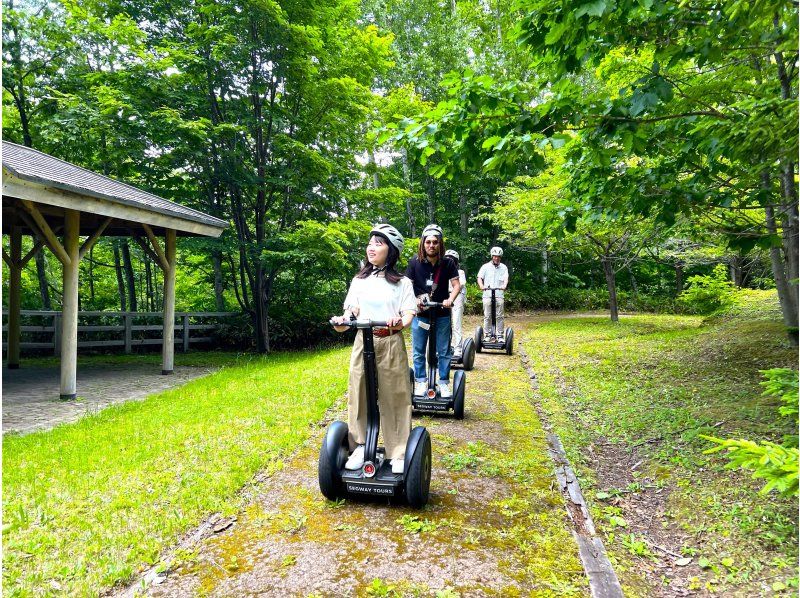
<point x="127" y="329"/>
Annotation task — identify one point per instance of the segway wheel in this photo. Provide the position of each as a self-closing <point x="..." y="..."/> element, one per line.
<point x="418" y="473"/>
<point x="479" y="339"/>
<point x="332" y="457"/>
<point x="509" y="341"/>
<point x="468" y="354"/>
<point x="459" y="389"/>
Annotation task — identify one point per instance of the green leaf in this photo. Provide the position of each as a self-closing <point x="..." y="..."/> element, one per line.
<point x="593" y="9"/>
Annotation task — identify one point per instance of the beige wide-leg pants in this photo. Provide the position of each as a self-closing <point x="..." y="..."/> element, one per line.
<point x="394" y="394"/>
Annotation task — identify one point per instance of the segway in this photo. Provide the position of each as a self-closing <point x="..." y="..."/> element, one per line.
<point x="465" y="359"/>
<point x="432" y="400"/>
<point x="506" y="346"/>
<point x="375" y="478"/>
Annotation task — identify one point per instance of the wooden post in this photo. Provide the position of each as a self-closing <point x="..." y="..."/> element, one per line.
<point x="128" y="318"/>
<point x="168" y="350"/>
<point x="14" y="297"/>
<point x="57" y="334"/>
<point x="185" y="332"/>
<point x="69" y="321"/>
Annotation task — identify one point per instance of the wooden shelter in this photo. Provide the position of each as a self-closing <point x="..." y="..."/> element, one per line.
<point x="48" y="198"/>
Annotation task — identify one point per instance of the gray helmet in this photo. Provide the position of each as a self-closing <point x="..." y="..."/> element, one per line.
<point x="496" y="251"/>
<point x="391" y="233"/>
<point x="452" y="253"/>
<point x="432" y="229"/>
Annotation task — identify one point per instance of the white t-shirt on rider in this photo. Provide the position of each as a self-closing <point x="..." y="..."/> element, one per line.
<point x="378" y="299"/>
<point x="493" y="277"/>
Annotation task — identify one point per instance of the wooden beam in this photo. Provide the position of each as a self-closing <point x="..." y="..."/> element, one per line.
<point x="36" y="247"/>
<point x="89" y="243"/>
<point x="7" y="259"/>
<point x="27" y="190"/>
<point x="45" y="231"/>
<point x="162" y="259"/>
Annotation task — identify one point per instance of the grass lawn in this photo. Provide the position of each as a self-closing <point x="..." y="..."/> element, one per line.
<point x="630" y="400"/>
<point x="86" y="505"/>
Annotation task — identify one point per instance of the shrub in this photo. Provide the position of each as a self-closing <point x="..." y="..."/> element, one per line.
<point x="708" y="294"/>
<point x="775" y="463"/>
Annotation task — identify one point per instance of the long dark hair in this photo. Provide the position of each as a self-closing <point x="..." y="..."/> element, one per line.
<point x="392" y="275"/>
<point x="421" y="249"/>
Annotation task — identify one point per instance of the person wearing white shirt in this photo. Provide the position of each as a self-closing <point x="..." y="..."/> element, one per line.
<point x="493" y="275"/>
<point x="380" y="292"/>
<point x="457" y="313"/>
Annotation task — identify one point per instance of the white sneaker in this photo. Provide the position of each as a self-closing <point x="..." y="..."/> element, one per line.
<point x="356" y="460"/>
<point x="398" y="465"/>
<point x="444" y="390"/>
<point x="420" y="388"/>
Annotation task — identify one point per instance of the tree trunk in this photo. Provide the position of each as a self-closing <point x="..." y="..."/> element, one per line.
<point x="634" y="286"/>
<point x="462" y="212"/>
<point x="219" y="298"/>
<point x="123" y="304"/>
<point x="611" y="282"/>
<point x="431" y="204"/>
<point x="130" y="279"/>
<point x="91" y="276"/>
<point x="149" y="284"/>
<point x="678" y="279"/>
<point x="545" y="266"/>
<point x="41" y="273"/>
<point x="736" y="272"/>
<point x="412" y="226"/>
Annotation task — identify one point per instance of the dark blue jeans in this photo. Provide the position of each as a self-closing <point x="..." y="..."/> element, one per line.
<point x="419" y="338"/>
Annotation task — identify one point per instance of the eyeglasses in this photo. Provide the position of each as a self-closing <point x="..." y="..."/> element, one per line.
<point x="432" y="242"/>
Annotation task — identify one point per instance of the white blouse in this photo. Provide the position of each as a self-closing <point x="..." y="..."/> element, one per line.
<point x="378" y="299"/>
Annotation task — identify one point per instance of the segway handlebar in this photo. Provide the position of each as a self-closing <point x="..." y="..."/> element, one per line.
<point x="364" y="323"/>
<point x="427" y="303"/>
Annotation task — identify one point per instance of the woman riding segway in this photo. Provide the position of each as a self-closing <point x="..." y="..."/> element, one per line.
<point x="383" y="302"/>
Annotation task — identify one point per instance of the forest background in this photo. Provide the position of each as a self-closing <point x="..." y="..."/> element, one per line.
<point x="616" y="149"/>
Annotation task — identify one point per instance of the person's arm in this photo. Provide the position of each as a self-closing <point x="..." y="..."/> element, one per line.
<point x="407" y="307"/>
<point x="350" y="307"/>
<point x="456" y="285"/>
<point x="505" y="279"/>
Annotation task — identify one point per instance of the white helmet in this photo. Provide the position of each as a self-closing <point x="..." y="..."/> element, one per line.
<point x="432" y="229"/>
<point x="452" y="253"/>
<point x="391" y="233"/>
<point x="496" y="251"/>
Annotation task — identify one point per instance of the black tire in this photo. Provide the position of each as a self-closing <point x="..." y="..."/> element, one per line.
<point x="468" y="354"/>
<point x="458" y="396"/>
<point x="479" y="339"/>
<point x="418" y="473"/>
<point x="509" y="341"/>
<point x="330" y="479"/>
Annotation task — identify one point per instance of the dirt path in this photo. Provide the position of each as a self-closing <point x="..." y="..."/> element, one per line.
<point x="495" y="524"/>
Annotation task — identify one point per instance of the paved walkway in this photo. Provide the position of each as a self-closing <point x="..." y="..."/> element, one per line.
<point x="30" y="394"/>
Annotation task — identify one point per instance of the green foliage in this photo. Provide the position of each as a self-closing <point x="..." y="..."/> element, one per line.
<point x="413" y="524"/>
<point x="775" y="464"/>
<point x="782" y="383"/>
<point x="708" y="294"/>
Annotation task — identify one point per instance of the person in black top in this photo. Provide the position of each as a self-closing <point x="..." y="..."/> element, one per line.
<point x="431" y="274"/>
